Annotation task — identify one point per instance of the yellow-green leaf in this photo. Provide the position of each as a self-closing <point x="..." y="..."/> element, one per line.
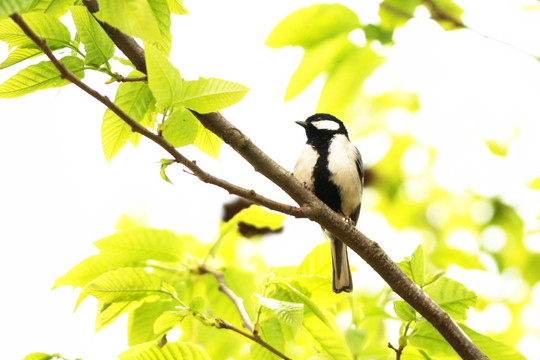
<point x="8" y="7"/>
<point x="97" y="44"/>
<point x="161" y="11"/>
<point x="207" y="95"/>
<point x="44" y="25"/>
<point x="43" y="75"/>
<point x="181" y="128"/>
<point x="108" y="312"/>
<point x="177" y="7"/>
<point x="313" y="24"/>
<point x="208" y="142"/>
<point x="56" y="8"/>
<point x="452" y="296"/>
<point x="18" y="55"/>
<point x="170" y="351"/>
<point x="163" y="78"/>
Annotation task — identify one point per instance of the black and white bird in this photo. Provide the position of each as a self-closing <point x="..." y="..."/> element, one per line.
<point x="331" y="167"/>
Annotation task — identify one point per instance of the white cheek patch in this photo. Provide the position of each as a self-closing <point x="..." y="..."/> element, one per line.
<point x="326" y="125"/>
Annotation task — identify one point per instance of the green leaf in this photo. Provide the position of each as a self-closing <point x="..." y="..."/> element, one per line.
<point x="329" y="341"/>
<point x="208" y="142"/>
<point x="170" y="351"/>
<point x="8" y="7"/>
<point x="108" y="312"/>
<point x="134" y="98"/>
<point x="272" y="333"/>
<point x="317" y="288"/>
<point x="444" y="10"/>
<point x="181" y="128"/>
<point x="325" y="21"/>
<point x="404" y="311"/>
<point x="321" y="57"/>
<point x="18" y="55"/>
<point x="141" y="321"/>
<point x="288" y="313"/>
<point x="161" y="11"/>
<point x="414" y="267"/>
<point x="492" y="348"/>
<point x="43" y="75"/>
<point x="169" y="320"/>
<point x="164" y="164"/>
<point x="356" y="339"/>
<point x="207" y="95"/>
<point x="395" y="13"/>
<point x="127" y="284"/>
<point x="345" y="81"/>
<point x="56" y="8"/>
<point x="97" y="44"/>
<point x="92" y="267"/>
<point x="132" y="17"/>
<point x="297" y="295"/>
<point x="534" y="184"/>
<point x="496" y="147"/>
<point x="38" y="356"/>
<point x="177" y="7"/>
<point x="46" y="26"/>
<point x="452" y="296"/>
<point x="163" y="78"/>
<point x="426" y="337"/>
<point x="317" y="262"/>
<point x="145" y="243"/>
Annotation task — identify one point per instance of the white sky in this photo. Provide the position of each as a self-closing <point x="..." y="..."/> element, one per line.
<point x="58" y="194"/>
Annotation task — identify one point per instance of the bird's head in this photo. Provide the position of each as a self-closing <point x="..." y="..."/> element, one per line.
<point x="323" y="126"/>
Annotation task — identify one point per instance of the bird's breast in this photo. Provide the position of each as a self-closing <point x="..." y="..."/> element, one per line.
<point x="303" y="170"/>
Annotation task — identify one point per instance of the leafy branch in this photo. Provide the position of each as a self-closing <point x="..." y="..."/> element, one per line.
<point x="310" y="206"/>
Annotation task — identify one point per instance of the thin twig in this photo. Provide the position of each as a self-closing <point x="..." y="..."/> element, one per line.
<point x="236" y="300"/>
<point x="398" y="350"/>
<point x="254" y="337"/>
<point x="121" y="78"/>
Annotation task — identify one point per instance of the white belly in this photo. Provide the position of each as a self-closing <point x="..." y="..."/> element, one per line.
<point x="303" y="170"/>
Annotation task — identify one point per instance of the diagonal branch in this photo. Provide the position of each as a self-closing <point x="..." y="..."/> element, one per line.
<point x="239" y="305"/>
<point x="311" y="206"/>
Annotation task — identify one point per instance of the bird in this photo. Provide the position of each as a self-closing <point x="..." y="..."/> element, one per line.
<point x="331" y="167"/>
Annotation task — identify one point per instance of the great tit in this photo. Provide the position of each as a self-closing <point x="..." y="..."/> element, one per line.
<point x="331" y="167"/>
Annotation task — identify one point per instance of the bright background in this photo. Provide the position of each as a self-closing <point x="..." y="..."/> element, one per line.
<point x="58" y="194"/>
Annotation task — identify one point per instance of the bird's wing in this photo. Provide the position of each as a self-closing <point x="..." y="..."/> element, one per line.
<point x="360" y="168"/>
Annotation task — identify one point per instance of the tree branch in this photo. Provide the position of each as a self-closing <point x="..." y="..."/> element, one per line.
<point x="312" y="207"/>
<point x="237" y="301"/>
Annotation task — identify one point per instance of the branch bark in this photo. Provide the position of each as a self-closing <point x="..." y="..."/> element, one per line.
<point x="311" y="206"/>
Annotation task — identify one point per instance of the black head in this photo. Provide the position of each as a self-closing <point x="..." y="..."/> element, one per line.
<point x="323" y="126"/>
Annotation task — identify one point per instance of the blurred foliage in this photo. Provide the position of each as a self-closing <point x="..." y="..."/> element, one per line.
<point x="155" y="276"/>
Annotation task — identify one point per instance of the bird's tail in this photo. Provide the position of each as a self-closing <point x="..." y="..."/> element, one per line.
<point x="342" y="280"/>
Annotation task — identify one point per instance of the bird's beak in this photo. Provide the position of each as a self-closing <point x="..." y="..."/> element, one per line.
<point x="301" y="123"/>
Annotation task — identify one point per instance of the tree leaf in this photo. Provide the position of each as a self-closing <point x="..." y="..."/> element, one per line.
<point x="8" y="7"/>
<point x="208" y="142"/>
<point x="452" y="296"/>
<point x="18" y="55"/>
<point x="108" y="312"/>
<point x="134" y="98"/>
<point x="168" y="320"/>
<point x="46" y="26"/>
<point x="325" y="21"/>
<point x="297" y="295"/>
<point x="426" y="337"/>
<point x="56" y="8"/>
<point x="144" y="243"/>
<point x="390" y="18"/>
<point x="317" y="288"/>
<point x="38" y="356"/>
<point x="404" y="311"/>
<point x="534" y="184"/>
<point x="288" y="313"/>
<point x="345" y="81"/>
<point x="177" y="7"/>
<point x="132" y="17"/>
<point x="271" y="332"/>
<point x="170" y="351"/>
<point x="163" y="78"/>
<point x="207" y="95"/>
<point x="329" y="341"/>
<point x="317" y="262"/>
<point x="414" y="267"/>
<point x="321" y="57"/>
<point x="164" y="164"/>
<point x="141" y="321"/>
<point x="161" y="11"/>
<point x="94" y="266"/>
<point x="181" y="128"/>
<point x="97" y="44"/>
<point x="127" y="284"/>
<point x="43" y="75"/>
